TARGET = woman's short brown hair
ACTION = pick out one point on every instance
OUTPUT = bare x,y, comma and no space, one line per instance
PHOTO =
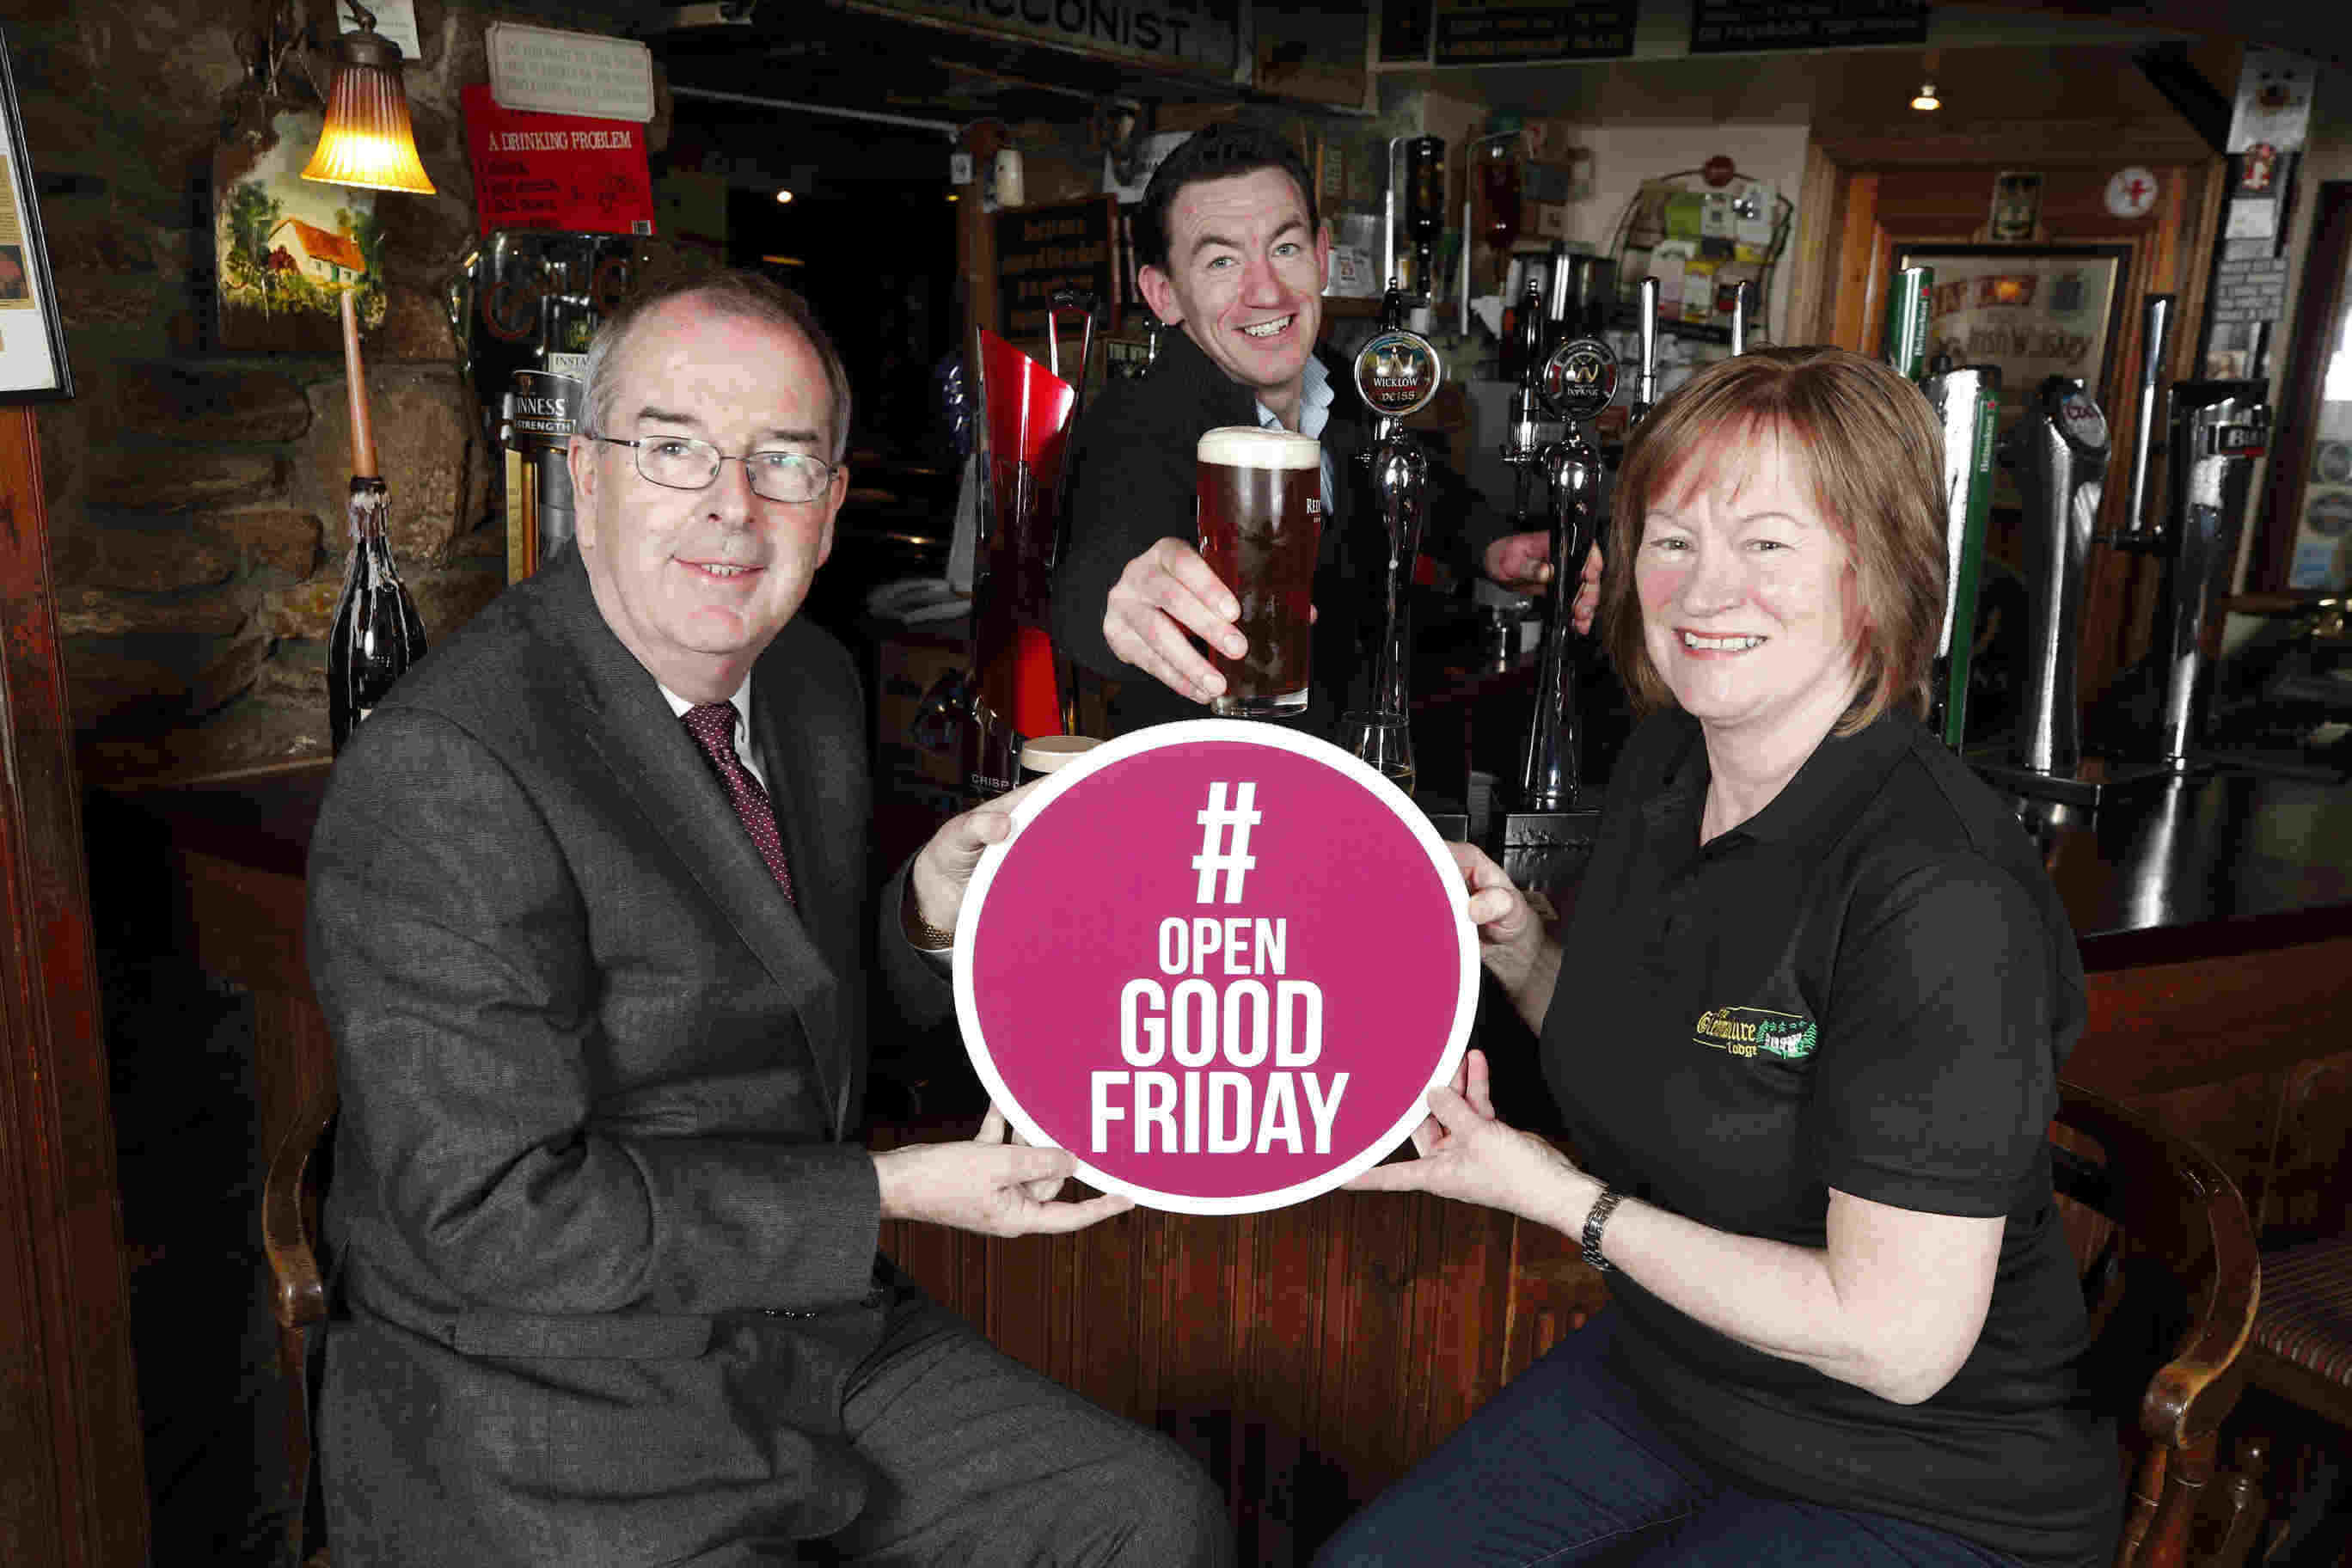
1873,450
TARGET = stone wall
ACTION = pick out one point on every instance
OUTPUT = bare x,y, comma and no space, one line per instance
197,500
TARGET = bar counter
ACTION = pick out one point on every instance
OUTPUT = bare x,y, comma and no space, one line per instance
1309,1355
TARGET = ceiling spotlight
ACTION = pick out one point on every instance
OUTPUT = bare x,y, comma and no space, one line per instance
1927,98
783,195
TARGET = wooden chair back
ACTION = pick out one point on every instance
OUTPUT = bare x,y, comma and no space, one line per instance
290,1198
2172,1281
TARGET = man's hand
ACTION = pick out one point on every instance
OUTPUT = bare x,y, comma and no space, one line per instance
1522,562
1468,1153
986,1186
1165,592
995,1129
942,870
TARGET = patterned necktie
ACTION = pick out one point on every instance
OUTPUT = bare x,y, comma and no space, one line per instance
713,725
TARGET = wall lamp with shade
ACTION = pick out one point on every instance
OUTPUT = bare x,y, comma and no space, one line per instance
1925,98
367,141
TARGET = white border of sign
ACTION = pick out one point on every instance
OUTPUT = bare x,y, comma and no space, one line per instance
1190,731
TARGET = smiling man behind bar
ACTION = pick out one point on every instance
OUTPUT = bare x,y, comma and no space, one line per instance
589,923
1234,255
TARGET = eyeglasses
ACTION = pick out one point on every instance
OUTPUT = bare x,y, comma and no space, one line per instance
682,463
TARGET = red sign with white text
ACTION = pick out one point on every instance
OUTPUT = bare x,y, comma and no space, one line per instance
1221,963
563,172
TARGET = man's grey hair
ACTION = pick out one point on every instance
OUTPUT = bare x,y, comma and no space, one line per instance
742,295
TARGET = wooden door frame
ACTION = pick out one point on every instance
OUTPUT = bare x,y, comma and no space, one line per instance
1845,254
74,1490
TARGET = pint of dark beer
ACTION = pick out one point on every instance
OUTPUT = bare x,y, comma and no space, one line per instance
1261,515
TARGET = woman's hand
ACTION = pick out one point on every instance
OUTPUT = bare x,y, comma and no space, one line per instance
1518,951
1469,1154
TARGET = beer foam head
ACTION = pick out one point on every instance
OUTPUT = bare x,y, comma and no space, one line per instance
1250,446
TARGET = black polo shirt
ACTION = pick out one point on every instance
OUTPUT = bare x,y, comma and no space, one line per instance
1868,985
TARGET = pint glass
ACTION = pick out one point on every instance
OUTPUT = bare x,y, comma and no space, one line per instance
1261,513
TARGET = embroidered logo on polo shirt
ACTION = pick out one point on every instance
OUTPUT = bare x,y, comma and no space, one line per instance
1745,1031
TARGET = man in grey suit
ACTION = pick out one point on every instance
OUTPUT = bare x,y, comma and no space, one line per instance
588,921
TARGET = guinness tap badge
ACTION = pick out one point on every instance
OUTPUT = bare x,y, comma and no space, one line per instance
1398,372
1579,378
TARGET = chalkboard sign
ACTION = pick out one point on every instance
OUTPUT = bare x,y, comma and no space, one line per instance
1040,250
1741,26
1516,32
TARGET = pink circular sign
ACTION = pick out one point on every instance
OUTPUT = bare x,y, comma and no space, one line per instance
1220,962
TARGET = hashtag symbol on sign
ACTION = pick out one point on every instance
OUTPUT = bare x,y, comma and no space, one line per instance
1214,856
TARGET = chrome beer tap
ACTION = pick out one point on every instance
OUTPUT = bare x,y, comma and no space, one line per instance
2062,464
1645,379
1577,382
2219,428
1396,373
2216,430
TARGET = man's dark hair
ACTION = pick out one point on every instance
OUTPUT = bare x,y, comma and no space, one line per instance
1219,152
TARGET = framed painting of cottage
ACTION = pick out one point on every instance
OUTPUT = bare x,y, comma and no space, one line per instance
33,364
285,247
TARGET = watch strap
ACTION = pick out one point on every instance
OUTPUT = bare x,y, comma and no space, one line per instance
1596,1216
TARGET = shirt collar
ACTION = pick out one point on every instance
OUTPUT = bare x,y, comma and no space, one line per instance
1315,398
742,701
1829,791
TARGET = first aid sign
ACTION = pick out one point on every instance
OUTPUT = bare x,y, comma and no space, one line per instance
1221,963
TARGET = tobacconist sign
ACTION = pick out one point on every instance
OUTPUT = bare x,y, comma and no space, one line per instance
1220,962
1195,35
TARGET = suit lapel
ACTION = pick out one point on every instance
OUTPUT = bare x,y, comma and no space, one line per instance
660,769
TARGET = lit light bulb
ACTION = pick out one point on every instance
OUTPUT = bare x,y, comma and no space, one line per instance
1927,98
785,195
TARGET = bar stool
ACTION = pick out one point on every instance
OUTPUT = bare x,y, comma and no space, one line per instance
2301,1351
291,1197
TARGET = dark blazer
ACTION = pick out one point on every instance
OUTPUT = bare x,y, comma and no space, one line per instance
606,1258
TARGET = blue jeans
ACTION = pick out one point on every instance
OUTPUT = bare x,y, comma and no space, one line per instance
1562,1466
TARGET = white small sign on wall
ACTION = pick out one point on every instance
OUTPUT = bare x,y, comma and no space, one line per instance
395,20
547,71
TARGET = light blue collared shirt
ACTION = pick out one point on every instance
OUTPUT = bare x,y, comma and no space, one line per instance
1314,395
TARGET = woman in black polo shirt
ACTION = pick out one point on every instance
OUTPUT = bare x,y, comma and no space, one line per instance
1805,1028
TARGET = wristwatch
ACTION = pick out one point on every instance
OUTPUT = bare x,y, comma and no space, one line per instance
926,937
1602,1207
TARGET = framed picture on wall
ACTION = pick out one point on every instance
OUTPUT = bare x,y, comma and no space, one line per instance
33,363
2033,309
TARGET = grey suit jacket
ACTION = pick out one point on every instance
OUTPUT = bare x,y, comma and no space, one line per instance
607,1258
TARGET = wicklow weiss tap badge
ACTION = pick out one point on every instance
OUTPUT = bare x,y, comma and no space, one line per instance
1220,962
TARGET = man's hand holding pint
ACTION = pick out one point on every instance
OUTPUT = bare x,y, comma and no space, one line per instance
1165,593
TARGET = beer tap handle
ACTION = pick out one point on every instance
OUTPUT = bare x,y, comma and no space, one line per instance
1645,378
2138,529
1743,300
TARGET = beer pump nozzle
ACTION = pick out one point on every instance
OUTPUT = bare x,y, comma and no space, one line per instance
1743,301
1645,379
2138,529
